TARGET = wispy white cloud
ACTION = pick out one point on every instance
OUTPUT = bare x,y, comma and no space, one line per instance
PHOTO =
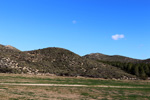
117,36
74,21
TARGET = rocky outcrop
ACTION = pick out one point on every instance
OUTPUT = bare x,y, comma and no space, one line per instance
10,66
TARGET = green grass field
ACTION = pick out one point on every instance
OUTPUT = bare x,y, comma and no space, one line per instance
139,89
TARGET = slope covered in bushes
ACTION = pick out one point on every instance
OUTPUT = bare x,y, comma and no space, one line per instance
56,61
140,68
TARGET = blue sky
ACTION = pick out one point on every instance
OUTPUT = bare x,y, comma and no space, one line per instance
113,27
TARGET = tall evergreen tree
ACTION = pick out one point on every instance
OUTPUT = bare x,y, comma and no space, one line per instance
142,73
136,70
147,70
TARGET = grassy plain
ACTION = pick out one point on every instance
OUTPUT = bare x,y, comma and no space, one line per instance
138,89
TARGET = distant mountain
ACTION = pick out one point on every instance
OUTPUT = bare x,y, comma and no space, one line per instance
146,61
140,68
57,61
102,57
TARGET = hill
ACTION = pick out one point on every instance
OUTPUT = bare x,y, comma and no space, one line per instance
13,60
57,61
146,61
102,57
140,68
60,61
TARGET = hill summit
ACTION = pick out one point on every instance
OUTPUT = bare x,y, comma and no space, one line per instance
11,47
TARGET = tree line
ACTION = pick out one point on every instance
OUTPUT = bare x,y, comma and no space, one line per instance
141,70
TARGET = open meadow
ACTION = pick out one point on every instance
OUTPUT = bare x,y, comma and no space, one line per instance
41,87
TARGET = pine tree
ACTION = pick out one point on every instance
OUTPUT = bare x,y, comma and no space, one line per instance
129,68
147,70
142,73
136,70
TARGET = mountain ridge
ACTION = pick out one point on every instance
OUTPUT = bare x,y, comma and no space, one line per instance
104,57
140,68
57,61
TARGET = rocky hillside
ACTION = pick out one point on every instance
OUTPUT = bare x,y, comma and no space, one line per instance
56,61
14,61
64,62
